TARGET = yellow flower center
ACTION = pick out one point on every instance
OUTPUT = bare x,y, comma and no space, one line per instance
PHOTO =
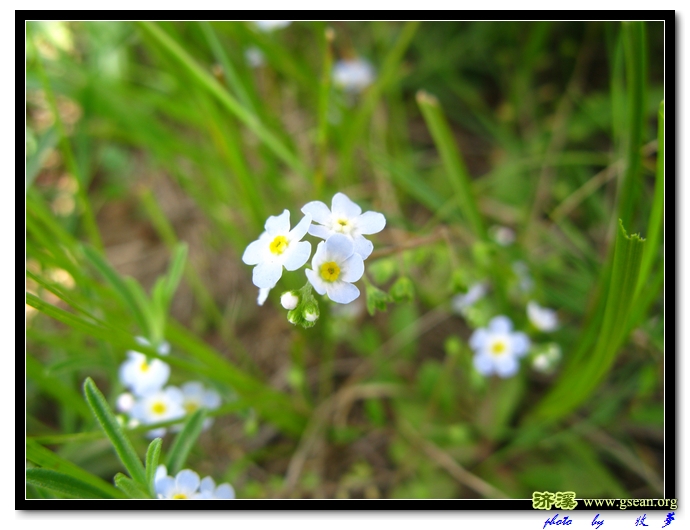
278,245
330,271
179,496
498,347
158,407
342,225
190,407
144,367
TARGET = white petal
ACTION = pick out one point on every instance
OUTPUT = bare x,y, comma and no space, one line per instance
339,248
316,282
520,343
342,292
156,433
297,255
478,339
370,223
319,212
352,268
342,206
483,364
255,252
278,224
187,481
165,486
161,473
207,484
500,324
225,491
193,389
506,365
211,399
301,228
263,295
320,231
363,246
266,274
319,256
174,395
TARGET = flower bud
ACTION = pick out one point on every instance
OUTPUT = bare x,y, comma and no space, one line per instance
402,290
289,300
311,313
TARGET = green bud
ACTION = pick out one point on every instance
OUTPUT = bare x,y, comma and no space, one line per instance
402,290
310,312
377,300
453,346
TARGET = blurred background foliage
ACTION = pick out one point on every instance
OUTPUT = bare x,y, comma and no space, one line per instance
169,132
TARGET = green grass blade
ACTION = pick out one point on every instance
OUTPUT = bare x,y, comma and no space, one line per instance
45,458
153,454
634,44
55,388
121,288
184,441
579,379
123,447
89,218
656,218
452,160
206,81
130,488
63,484
175,270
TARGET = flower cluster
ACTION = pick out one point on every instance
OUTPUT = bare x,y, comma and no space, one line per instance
497,347
187,485
149,401
337,263
353,75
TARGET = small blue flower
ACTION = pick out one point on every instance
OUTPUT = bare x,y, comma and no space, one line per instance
498,348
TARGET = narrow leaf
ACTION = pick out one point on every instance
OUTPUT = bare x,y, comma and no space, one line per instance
153,454
130,488
62,483
184,441
123,447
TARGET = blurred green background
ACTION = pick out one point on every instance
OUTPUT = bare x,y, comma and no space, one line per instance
172,132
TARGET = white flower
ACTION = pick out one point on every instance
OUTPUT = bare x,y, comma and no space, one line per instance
503,235
163,405
254,57
546,361
208,490
276,248
475,293
289,300
125,402
334,267
143,375
196,396
271,25
183,486
522,272
542,318
497,348
353,75
263,295
345,217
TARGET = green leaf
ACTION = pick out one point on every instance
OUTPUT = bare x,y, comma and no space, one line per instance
118,284
656,217
64,484
153,454
175,271
130,488
55,388
581,378
208,83
123,447
184,441
45,458
452,160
